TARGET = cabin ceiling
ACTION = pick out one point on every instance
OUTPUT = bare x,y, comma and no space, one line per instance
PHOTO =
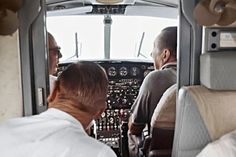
166,8
171,3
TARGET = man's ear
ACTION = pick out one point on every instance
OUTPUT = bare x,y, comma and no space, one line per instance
166,55
98,113
53,94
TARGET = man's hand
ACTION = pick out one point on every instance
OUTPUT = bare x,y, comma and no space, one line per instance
134,128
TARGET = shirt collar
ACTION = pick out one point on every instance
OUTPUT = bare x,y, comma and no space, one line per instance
58,114
169,65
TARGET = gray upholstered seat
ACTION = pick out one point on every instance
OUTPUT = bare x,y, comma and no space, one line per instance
164,113
159,143
206,112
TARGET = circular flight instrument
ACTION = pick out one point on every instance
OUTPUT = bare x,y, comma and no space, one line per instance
123,71
112,71
135,71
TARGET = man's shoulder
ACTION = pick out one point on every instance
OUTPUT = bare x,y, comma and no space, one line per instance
153,74
160,73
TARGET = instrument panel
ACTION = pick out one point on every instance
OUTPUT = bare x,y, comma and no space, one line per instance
125,79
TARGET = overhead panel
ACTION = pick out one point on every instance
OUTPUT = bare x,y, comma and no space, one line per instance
170,3
218,39
70,11
157,11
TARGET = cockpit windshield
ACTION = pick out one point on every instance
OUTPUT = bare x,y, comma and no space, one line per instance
92,37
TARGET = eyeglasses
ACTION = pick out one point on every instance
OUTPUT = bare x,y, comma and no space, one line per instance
57,50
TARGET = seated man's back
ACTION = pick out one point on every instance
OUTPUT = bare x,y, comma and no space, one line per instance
154,85
60,131
52,133
151,91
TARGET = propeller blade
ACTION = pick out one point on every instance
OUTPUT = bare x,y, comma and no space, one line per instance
228,17
203,15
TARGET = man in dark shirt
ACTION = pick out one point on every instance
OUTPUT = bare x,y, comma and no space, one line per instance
154,85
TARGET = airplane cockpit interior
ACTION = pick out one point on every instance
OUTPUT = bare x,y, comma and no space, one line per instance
100,33
119,36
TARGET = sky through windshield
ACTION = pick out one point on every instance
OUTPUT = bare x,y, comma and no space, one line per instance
126,34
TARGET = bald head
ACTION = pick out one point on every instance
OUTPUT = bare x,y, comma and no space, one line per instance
168,39
165,45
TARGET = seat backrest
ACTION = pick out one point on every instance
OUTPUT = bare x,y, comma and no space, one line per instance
206,112
162,125
164,113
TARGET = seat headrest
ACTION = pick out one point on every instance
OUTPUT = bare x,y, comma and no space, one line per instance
218,70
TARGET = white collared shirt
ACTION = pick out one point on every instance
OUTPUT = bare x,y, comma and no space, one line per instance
52,133
52,80
223,147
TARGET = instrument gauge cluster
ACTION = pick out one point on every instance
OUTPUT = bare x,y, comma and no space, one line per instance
128,71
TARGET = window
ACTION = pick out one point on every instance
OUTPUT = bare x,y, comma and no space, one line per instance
126,35
89,31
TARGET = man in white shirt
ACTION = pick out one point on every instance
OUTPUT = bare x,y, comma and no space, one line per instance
54,56
78,97
223,147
